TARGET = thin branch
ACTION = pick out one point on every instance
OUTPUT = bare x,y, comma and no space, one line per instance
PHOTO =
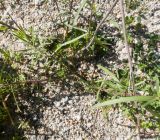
127,46
6,108
131,80
99,25
16,102
56,2
8,26
19,27
70,10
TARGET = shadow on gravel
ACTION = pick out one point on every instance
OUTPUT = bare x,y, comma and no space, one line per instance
9,119
34,105
33,101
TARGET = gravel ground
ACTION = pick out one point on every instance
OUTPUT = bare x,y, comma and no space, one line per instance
76,121
69,115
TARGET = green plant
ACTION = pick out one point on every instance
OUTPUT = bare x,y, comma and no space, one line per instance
132,4
117,91
8,76
56,58
134,93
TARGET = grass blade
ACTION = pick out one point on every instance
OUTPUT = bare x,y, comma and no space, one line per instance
109,73
77,28
3,28
82,4
124,100
149,102
140,83
70,41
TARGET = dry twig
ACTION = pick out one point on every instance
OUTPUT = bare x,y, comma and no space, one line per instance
99,25
131,80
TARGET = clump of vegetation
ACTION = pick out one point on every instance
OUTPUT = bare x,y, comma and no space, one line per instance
9,89
135,90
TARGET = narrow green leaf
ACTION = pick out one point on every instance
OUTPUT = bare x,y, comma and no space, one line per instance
149,102
82,4
6,54
153,112
124,100
3,28
77,28
140,83
22,35
100,80
99,90
70,41
115,86
108,73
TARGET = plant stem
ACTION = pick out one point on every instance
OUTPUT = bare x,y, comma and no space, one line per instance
69,18
131,80
6,108
58,11
18,108
127,46
8,26
99,25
